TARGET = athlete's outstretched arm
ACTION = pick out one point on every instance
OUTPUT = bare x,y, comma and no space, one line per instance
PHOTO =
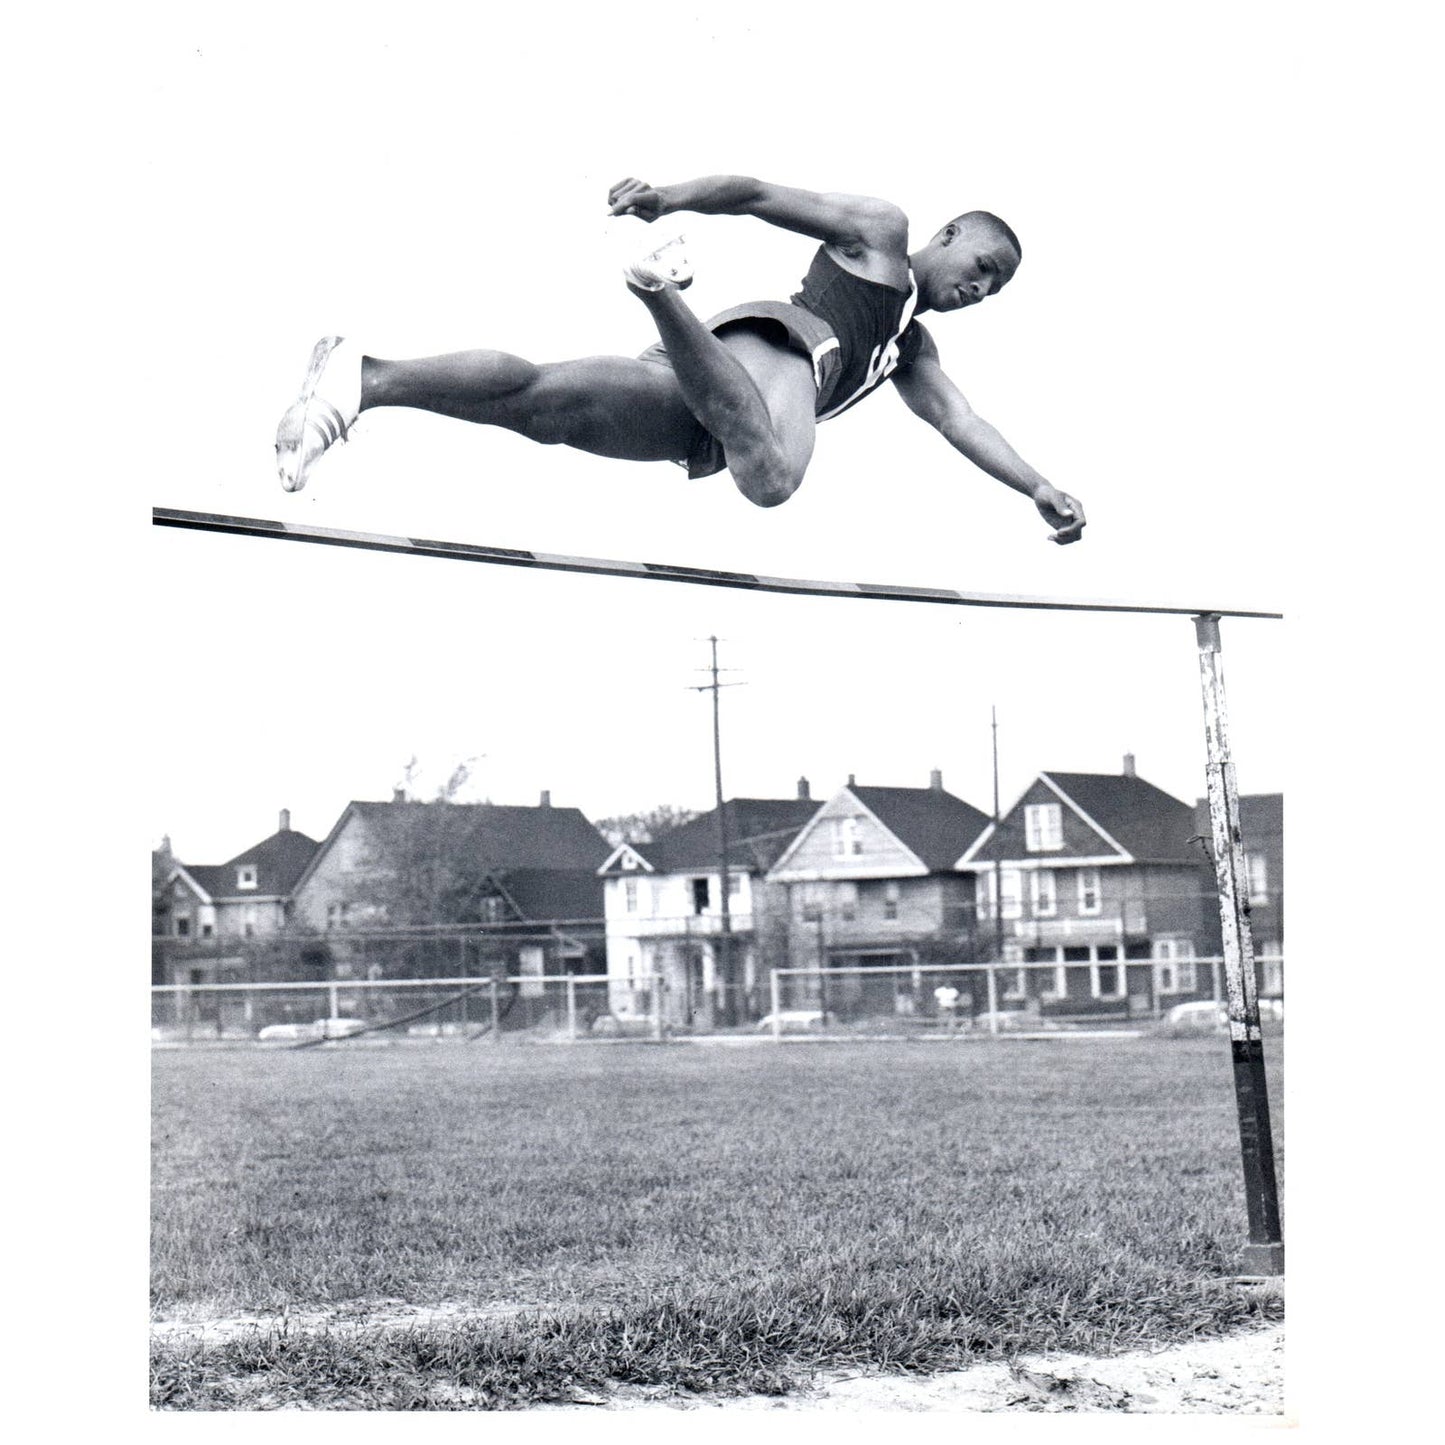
931,395
839,220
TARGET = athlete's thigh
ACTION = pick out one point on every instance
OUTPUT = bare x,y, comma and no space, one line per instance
785,379
612,406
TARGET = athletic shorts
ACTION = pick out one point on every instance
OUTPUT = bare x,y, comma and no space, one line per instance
804,333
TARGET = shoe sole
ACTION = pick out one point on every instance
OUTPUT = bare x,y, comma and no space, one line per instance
291,433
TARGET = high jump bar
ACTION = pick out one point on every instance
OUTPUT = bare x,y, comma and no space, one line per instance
656,571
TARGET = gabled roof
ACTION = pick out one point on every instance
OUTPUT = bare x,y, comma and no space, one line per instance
552,893
506,835
499,837
759,829
200,878
278,860
929,823
1148,823
1132,820
933,824
1261,815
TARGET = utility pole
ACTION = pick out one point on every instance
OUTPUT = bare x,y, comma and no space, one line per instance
725,939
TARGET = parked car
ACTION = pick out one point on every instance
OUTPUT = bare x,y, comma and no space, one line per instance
312,1032
793,1018
1202,1016
1012,1021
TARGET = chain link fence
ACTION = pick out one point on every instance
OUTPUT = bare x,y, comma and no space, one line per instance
545,1009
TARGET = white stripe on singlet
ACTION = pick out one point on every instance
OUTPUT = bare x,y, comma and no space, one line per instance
885,355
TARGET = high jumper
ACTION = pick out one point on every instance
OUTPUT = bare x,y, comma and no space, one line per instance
742,391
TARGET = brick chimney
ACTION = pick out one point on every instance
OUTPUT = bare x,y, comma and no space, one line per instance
1129,766
546,798
804,792
935,780
398,795
285,820
852,781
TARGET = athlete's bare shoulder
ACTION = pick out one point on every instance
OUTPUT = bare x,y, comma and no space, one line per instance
876,248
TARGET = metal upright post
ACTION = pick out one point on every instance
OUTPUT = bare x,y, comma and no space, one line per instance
496,1011
775,987
1264,1254
571,1009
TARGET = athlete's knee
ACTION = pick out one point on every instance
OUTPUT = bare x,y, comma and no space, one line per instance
769,481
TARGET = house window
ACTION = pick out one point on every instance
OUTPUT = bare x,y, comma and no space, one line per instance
1271,973
701,894
206,930
1043,827
338,915
629,894
1042,893
847,894
847,842
1174,965
1051,983
246,876
1107,975
1013,893
891,893
183,926
1089,896
735,884
810,902
1256,871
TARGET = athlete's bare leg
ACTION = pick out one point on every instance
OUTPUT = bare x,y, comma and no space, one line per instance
611,406
752,393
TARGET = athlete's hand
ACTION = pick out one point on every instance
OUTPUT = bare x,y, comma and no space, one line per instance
636,198
1062,512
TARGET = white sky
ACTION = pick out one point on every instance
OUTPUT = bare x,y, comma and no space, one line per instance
441,190
1222,339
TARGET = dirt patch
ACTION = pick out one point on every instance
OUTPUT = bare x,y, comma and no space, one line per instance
1238,1374
383,1314
1241,1374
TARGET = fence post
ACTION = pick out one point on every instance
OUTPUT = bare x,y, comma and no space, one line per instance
496,1012
775,988
333,1000
992,1000
571,1009
657,1006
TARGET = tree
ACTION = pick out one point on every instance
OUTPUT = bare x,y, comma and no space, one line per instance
645,827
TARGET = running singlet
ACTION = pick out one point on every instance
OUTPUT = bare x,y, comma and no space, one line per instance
873,324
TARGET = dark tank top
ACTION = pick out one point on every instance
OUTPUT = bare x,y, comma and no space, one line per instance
873,324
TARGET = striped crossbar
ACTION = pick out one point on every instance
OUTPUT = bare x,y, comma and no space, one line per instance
656,571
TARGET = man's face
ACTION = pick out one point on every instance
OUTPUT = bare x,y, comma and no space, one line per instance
970,263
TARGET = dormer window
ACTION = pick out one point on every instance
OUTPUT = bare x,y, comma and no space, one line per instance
1043,827
246,875
847,841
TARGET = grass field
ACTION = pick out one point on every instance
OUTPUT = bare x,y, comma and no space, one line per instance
689,1218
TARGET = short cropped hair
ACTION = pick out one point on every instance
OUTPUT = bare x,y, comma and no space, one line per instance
991,222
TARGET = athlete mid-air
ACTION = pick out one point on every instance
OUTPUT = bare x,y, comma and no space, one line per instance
744,390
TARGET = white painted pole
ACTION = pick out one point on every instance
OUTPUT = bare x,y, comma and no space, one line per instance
1264,1254
775,988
